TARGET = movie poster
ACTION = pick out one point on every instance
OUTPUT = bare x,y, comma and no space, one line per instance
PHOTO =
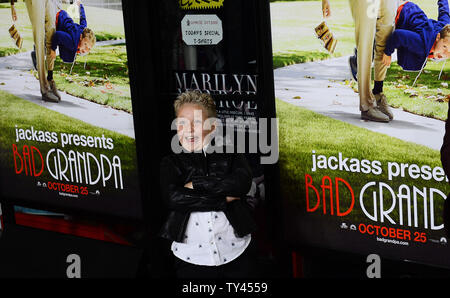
73,148
348,183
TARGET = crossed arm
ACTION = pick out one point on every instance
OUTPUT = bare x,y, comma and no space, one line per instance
203,193
233,185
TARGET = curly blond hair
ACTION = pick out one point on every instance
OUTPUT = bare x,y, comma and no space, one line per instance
195,97
89,34
445,32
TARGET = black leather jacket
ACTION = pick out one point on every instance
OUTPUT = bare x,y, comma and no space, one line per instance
214,177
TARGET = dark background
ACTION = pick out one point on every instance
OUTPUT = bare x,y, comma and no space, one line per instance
150,29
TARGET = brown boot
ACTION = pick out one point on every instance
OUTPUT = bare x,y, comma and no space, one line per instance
383,105
54,90
50,97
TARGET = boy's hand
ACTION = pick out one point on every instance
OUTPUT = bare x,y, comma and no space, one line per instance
189,185
387,60
326,10
13,13
231,199
53,54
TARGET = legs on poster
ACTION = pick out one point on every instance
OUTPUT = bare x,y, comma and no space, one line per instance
42,16
372,19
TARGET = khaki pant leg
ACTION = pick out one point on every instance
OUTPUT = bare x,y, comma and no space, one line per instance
385,26
36,13
50,29
364,15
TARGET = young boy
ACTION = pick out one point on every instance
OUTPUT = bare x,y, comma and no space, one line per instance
209,222
418,38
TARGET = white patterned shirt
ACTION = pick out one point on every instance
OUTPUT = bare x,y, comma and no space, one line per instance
209,240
